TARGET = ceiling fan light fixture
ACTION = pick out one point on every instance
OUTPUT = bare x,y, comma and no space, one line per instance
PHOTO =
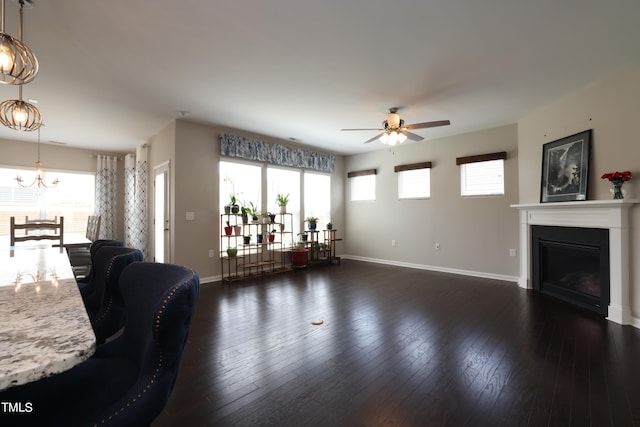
18,64
393,120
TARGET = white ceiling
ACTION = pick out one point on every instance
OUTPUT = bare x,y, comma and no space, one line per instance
114,73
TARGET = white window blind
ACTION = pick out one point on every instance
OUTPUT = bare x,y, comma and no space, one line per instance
482,178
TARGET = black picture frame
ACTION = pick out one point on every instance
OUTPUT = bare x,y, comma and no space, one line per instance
565,168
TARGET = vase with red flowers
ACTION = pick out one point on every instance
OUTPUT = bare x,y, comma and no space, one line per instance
617,179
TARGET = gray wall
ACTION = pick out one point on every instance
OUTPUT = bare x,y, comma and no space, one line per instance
475,233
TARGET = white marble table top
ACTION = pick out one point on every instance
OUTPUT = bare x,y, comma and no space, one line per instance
44,327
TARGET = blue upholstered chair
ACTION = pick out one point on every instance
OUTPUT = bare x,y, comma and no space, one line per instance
129,380
105,305
87,283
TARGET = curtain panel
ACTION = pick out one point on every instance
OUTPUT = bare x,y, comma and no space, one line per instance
276,154
106,196
135,215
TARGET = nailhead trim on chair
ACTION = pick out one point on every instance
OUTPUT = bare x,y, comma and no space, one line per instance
160,357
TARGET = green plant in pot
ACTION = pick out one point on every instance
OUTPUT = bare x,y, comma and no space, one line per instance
231,252
245,211
312,222
303,236
329,226
282,200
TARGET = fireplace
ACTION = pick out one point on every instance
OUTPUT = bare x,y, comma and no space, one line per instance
610,215
572,264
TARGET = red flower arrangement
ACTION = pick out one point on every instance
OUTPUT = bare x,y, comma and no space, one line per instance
617,176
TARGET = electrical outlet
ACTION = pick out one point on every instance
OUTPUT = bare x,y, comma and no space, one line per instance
437,246
512,252
211,253
190,216
393,242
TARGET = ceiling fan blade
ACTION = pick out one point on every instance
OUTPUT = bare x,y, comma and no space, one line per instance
412,136
374,138
427,125
361,129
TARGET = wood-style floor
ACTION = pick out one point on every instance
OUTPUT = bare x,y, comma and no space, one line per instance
400,347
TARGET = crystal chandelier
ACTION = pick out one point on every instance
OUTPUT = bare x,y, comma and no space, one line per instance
39,178
18,64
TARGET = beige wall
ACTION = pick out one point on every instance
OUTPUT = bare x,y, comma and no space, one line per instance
195,168
611,108
475,233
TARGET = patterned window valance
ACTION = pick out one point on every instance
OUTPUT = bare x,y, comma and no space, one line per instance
251,149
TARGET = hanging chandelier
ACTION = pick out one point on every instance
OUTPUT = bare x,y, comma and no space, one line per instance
39,178
18,64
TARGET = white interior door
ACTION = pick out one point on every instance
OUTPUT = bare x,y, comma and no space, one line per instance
161,222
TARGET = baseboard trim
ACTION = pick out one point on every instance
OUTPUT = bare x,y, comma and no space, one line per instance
210,279
480,274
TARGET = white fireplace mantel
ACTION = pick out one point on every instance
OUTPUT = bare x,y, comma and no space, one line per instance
608,214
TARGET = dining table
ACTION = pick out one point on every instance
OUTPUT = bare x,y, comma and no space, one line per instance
44,326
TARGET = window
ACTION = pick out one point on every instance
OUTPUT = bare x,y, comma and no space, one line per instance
243,180
73,198
482,175
414,181
317,197
285,181
363,185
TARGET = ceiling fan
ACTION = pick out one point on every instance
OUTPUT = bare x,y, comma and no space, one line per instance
395,132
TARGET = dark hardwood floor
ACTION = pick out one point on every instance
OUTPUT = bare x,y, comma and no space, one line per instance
400,347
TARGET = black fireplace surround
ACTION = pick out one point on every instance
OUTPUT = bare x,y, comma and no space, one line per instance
572,264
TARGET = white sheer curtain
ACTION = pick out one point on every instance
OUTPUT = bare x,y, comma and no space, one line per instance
135,199
106,196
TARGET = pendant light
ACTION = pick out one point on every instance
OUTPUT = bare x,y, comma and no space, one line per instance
18,64
20,115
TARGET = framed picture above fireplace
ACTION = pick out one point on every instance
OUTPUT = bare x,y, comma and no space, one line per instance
565,168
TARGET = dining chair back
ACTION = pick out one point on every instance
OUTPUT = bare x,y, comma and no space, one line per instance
39,222
46,231
93,227
80,258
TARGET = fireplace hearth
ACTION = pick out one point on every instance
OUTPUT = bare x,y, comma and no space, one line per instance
572,264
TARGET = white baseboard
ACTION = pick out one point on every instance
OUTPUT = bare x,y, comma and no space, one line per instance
480,274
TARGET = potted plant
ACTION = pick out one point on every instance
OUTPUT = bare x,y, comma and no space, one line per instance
237,229
329,226
312,222
228,229
272,235
233,205
231,252
303,236
247,239
253,211
260,238
245,214
298,255
282,201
